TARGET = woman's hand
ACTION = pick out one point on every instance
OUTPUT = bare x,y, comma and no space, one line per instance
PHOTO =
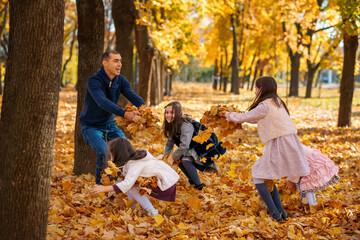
101,189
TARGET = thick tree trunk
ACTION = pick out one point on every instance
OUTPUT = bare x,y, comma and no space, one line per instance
235,83
28,117
91,46
294,81
124,15
146,49
348,80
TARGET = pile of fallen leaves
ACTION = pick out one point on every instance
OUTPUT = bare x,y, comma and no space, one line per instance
229,207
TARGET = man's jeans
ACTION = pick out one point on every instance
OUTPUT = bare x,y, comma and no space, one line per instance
97,137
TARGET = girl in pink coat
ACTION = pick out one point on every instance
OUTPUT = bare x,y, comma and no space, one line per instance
284,155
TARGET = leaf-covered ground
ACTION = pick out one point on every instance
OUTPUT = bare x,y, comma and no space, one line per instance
229,207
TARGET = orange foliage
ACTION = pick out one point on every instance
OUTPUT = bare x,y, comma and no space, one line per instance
229,207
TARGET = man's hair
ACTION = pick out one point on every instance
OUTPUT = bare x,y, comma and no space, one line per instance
106,55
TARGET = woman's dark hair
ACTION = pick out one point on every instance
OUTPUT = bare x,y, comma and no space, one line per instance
122,151
174,128
267,89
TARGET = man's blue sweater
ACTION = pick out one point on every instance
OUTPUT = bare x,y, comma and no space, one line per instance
101,97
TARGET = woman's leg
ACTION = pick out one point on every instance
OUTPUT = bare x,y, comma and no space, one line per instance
266,196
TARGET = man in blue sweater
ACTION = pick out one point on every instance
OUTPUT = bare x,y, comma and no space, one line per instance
101,96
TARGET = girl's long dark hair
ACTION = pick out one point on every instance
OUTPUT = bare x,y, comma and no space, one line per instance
174,128
122,151
267,89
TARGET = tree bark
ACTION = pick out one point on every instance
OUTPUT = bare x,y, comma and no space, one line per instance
124,15
295,60
294,80
235,61
28,116
348,80
91,46
310,79
156,79
255,74
215,74
146,50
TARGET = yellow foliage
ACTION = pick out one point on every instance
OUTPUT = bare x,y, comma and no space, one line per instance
229,207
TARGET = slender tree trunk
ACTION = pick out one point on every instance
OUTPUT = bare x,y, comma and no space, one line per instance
310,79
1,91
146,50
255,74
221,72
28,116
250,69
348,80
215,74
235,61
124,15
294,80
156,90
70,55
91,46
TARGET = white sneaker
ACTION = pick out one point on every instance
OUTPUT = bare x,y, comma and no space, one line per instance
153,212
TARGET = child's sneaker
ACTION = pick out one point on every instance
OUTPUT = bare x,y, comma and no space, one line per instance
153,213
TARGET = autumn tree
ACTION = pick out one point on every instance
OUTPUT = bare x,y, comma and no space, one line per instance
28,116
124,15
349,11
91,46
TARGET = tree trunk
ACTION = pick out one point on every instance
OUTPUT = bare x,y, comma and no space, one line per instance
294,81
168,77
235,61
215,75
146,49
70,55
310,79
255,74
1,91
124,15
156,79
91,46
221,72
28,116
348,80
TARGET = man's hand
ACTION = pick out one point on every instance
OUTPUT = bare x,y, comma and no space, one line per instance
131,115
